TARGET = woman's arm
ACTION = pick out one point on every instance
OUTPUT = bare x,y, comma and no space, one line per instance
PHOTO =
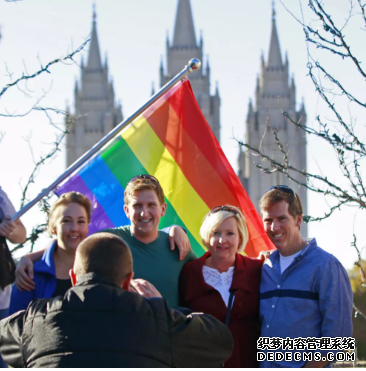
13,231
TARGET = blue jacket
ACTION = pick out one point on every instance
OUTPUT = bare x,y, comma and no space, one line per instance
44,278
312,298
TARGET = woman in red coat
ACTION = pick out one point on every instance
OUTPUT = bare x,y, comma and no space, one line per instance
225,284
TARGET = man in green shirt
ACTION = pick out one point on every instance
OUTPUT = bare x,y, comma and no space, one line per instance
153,260
154,257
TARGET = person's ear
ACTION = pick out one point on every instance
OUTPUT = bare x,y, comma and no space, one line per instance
126,283
163,208
126,210
299,220
73,277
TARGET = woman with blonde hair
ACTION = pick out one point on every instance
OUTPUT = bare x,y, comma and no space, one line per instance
225,283
68,221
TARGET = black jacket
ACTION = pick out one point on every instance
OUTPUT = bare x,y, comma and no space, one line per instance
98,324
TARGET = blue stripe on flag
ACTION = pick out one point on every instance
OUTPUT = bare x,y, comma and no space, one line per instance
107,189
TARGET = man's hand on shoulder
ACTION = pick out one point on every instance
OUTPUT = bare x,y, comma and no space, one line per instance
144,288
23,280
177,236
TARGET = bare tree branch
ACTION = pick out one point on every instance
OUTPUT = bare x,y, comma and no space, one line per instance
56,145
341,135
44,69
359,262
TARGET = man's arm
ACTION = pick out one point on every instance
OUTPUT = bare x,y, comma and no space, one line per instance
11,331
335,301
199,340
335,304
24,271
178,236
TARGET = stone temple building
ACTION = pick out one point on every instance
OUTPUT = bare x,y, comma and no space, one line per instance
183,48
96,112
274,91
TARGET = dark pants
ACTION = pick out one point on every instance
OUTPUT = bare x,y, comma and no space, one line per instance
3,314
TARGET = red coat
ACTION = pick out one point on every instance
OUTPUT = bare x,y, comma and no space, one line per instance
244,324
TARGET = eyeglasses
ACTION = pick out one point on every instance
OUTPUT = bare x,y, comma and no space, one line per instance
143,176
230,209
283,188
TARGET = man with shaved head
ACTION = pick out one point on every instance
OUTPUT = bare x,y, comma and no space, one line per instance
99,323
104,254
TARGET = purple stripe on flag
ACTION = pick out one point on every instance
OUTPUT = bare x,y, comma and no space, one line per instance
99,219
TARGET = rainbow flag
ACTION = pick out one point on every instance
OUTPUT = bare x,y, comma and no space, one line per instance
172,141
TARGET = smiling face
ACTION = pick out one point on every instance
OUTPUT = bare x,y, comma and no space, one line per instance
282,228
224,242
71,226
144,210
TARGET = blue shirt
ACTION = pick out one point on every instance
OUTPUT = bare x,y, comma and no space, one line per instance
311,298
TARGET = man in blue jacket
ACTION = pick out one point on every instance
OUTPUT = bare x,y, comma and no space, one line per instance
306,296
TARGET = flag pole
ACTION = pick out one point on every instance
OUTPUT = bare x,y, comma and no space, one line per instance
193,65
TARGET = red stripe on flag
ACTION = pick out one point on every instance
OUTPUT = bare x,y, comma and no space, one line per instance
195,125
194,165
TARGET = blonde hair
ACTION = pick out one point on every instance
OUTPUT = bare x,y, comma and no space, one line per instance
212,221
142,184
65,199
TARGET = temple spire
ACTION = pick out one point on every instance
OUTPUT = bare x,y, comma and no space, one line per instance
217,89
208,69
94,59
184,34
274,55
161,65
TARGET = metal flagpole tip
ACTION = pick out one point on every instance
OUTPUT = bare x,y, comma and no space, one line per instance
194,64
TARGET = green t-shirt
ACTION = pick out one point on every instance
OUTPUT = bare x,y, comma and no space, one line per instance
155,262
